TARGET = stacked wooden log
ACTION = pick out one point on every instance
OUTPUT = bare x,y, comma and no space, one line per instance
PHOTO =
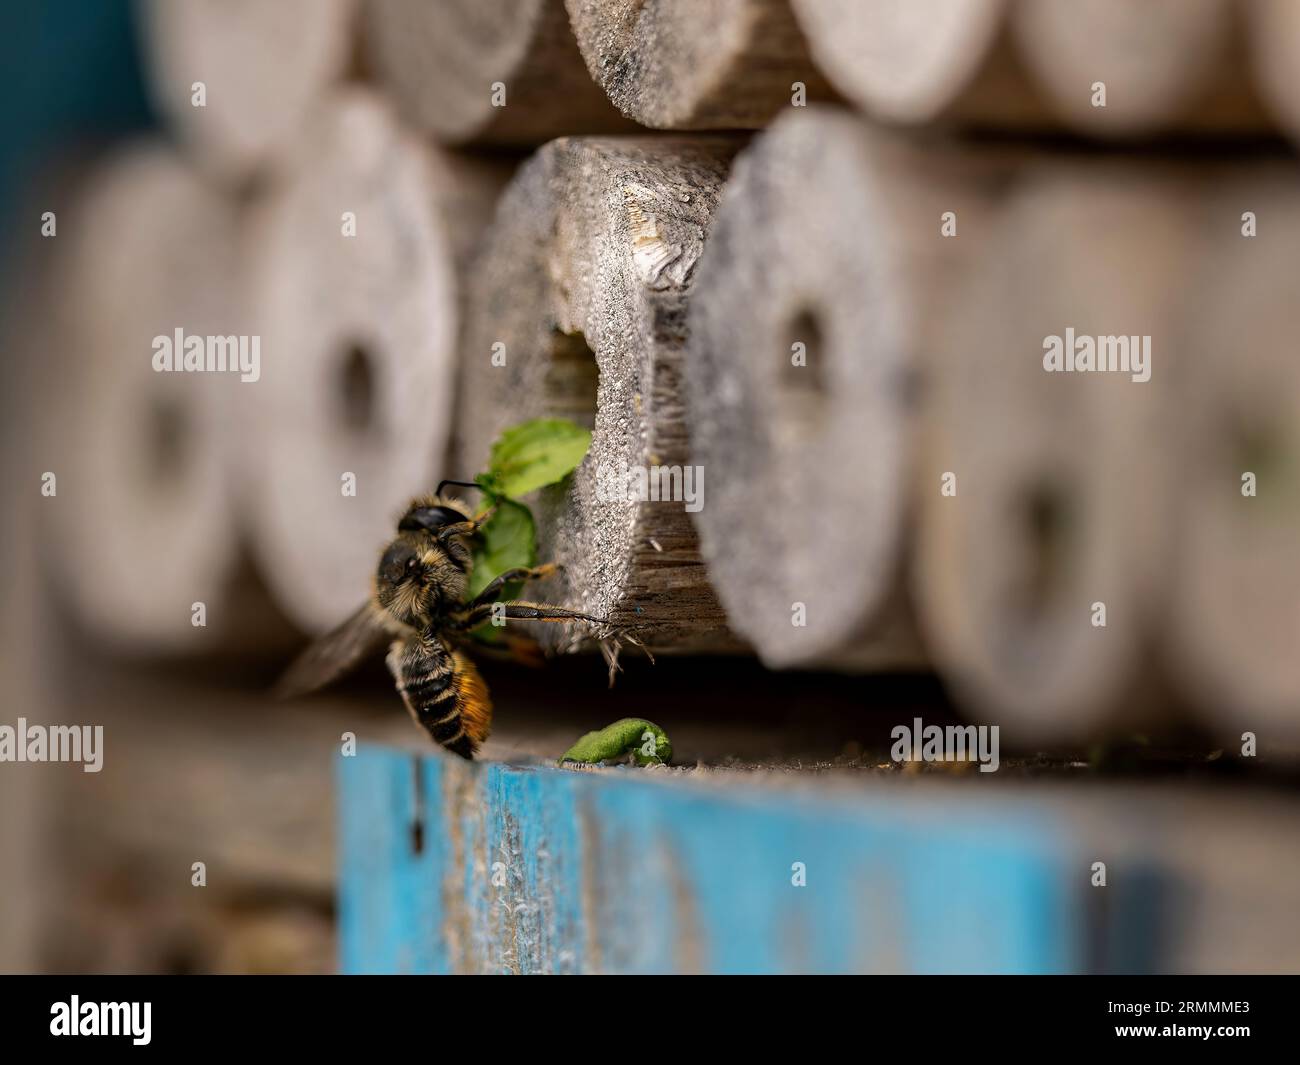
845,337
578,308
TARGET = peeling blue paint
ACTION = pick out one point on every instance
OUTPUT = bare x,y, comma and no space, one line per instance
390,911
532,869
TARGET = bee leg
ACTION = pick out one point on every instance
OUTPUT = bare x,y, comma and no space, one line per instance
465,528
523,573
458,528
477,614
523,611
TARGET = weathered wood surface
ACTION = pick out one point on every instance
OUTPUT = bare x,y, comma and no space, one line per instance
450,868
1167,65
923,63
262,66
579,309
142,525
353,286
598,274
1273,33
1234,604
719,64
819,297
1056,504
535,870
443,63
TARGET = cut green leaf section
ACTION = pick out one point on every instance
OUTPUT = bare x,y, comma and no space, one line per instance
535,454
527,457
645,741
508,541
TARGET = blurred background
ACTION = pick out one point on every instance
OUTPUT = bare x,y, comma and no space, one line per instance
368,197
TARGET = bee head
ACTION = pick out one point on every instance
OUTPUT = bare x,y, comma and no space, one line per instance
421,570
431,513
430,518
399,564
402,580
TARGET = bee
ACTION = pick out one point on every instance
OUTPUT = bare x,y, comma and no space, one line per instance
418,607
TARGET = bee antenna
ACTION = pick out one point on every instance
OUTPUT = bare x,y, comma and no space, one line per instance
459,484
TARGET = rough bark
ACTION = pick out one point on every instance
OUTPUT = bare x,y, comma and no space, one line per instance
359,342
828,248
1235,601
715,64
441,60
263,66
1060,477
143,522
917,63
1273,32
586,279
1168,65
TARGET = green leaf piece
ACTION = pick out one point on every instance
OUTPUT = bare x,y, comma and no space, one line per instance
507,541
524,458
646,741
534,454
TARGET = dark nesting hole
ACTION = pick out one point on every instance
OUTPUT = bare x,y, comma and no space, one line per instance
801,373
168,440
1046,521
572,378
357,389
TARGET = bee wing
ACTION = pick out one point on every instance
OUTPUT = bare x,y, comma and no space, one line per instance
335,653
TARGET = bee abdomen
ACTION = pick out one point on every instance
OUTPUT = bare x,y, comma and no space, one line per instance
427,687
444,694
464,746
432,697
445,729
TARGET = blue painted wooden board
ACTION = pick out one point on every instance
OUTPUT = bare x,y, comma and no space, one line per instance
533,869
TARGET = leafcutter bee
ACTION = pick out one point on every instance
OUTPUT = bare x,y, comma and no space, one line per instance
418,607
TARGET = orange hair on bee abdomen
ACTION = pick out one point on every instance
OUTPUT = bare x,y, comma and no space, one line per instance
472,699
